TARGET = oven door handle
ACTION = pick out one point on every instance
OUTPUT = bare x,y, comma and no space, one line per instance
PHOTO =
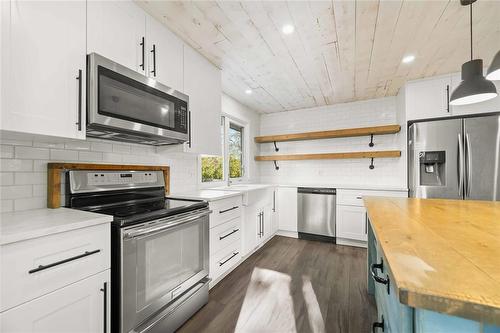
162,227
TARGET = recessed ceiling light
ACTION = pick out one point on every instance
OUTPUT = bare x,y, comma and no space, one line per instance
288,29
407,59
248,91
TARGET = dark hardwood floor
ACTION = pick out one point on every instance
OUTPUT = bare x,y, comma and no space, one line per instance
291,285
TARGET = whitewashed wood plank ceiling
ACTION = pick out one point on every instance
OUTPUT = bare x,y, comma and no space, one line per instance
340,51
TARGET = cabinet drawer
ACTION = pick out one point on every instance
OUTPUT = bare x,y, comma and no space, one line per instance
225,234
36,267
224,210
77,307
355,197
223,260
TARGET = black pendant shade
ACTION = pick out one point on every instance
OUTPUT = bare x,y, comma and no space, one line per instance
494,69
474,87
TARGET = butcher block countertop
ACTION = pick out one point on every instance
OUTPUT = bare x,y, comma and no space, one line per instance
444,254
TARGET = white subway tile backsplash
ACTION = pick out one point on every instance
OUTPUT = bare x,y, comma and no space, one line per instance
119,148
24,166
30,203
7,205
15,165
63,155
16,191
101,146
6,151
26,178
77,145
42,144
90,156
31,153
6,178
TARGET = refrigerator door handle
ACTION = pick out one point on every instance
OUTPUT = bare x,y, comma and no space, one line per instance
468,166
460,165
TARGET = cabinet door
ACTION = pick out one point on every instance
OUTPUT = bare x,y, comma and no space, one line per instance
352,222
286,204
492,105
250,229
428,98
43,52
115,30
80,307
267,218
202,83
165,64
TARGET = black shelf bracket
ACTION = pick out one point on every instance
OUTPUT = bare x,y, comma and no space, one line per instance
276,167
371,165
275,146
371,144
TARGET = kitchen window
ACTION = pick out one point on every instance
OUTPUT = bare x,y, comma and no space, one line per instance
231,164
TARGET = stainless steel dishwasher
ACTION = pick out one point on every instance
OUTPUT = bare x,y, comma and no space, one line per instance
316,213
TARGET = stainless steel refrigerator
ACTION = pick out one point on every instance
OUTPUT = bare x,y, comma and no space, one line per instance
455,158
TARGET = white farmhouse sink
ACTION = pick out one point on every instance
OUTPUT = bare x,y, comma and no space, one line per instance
252,193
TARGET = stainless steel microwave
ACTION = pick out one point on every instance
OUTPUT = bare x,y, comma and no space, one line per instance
127,106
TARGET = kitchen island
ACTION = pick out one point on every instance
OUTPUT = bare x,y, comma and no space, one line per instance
434,265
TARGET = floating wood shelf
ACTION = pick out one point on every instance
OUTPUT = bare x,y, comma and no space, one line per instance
329,156
54,176
340,133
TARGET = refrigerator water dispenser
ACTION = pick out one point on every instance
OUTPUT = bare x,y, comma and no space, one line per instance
432,168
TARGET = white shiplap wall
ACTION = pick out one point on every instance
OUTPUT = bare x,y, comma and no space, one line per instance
23,167
387,172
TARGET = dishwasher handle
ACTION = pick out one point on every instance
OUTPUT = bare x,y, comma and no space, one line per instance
317,190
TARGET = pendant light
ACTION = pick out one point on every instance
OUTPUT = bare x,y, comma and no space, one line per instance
474,88
494,70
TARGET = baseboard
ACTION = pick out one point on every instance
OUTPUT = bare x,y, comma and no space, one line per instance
351,242
285,233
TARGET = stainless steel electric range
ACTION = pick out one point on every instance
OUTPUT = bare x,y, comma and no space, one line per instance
159,264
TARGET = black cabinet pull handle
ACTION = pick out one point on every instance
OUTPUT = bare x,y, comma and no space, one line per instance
227,210
229,234
104,289
189,128
379,279
154,60
231,257
142,45
377,324
448,98
42,267
79,78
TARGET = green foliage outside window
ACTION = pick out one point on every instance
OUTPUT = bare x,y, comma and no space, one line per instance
211,168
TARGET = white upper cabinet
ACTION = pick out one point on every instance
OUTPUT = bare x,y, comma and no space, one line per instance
428,98
492,105
202,83
165,55
43,67
117,30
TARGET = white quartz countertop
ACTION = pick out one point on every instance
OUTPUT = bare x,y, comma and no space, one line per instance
207,195
244,187
23,225
349,187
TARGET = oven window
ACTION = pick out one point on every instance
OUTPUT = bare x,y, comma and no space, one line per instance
167,259
124,98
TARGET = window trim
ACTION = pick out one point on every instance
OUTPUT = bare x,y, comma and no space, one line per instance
244,145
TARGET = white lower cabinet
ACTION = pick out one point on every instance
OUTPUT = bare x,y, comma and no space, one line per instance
286,206
57,283
354,222
351,223
83,306
225,237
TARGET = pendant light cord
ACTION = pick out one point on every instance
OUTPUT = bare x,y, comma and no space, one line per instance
471,31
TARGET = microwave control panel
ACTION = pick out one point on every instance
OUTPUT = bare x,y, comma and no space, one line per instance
181,118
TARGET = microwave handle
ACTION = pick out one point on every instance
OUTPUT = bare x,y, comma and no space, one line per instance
189,128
